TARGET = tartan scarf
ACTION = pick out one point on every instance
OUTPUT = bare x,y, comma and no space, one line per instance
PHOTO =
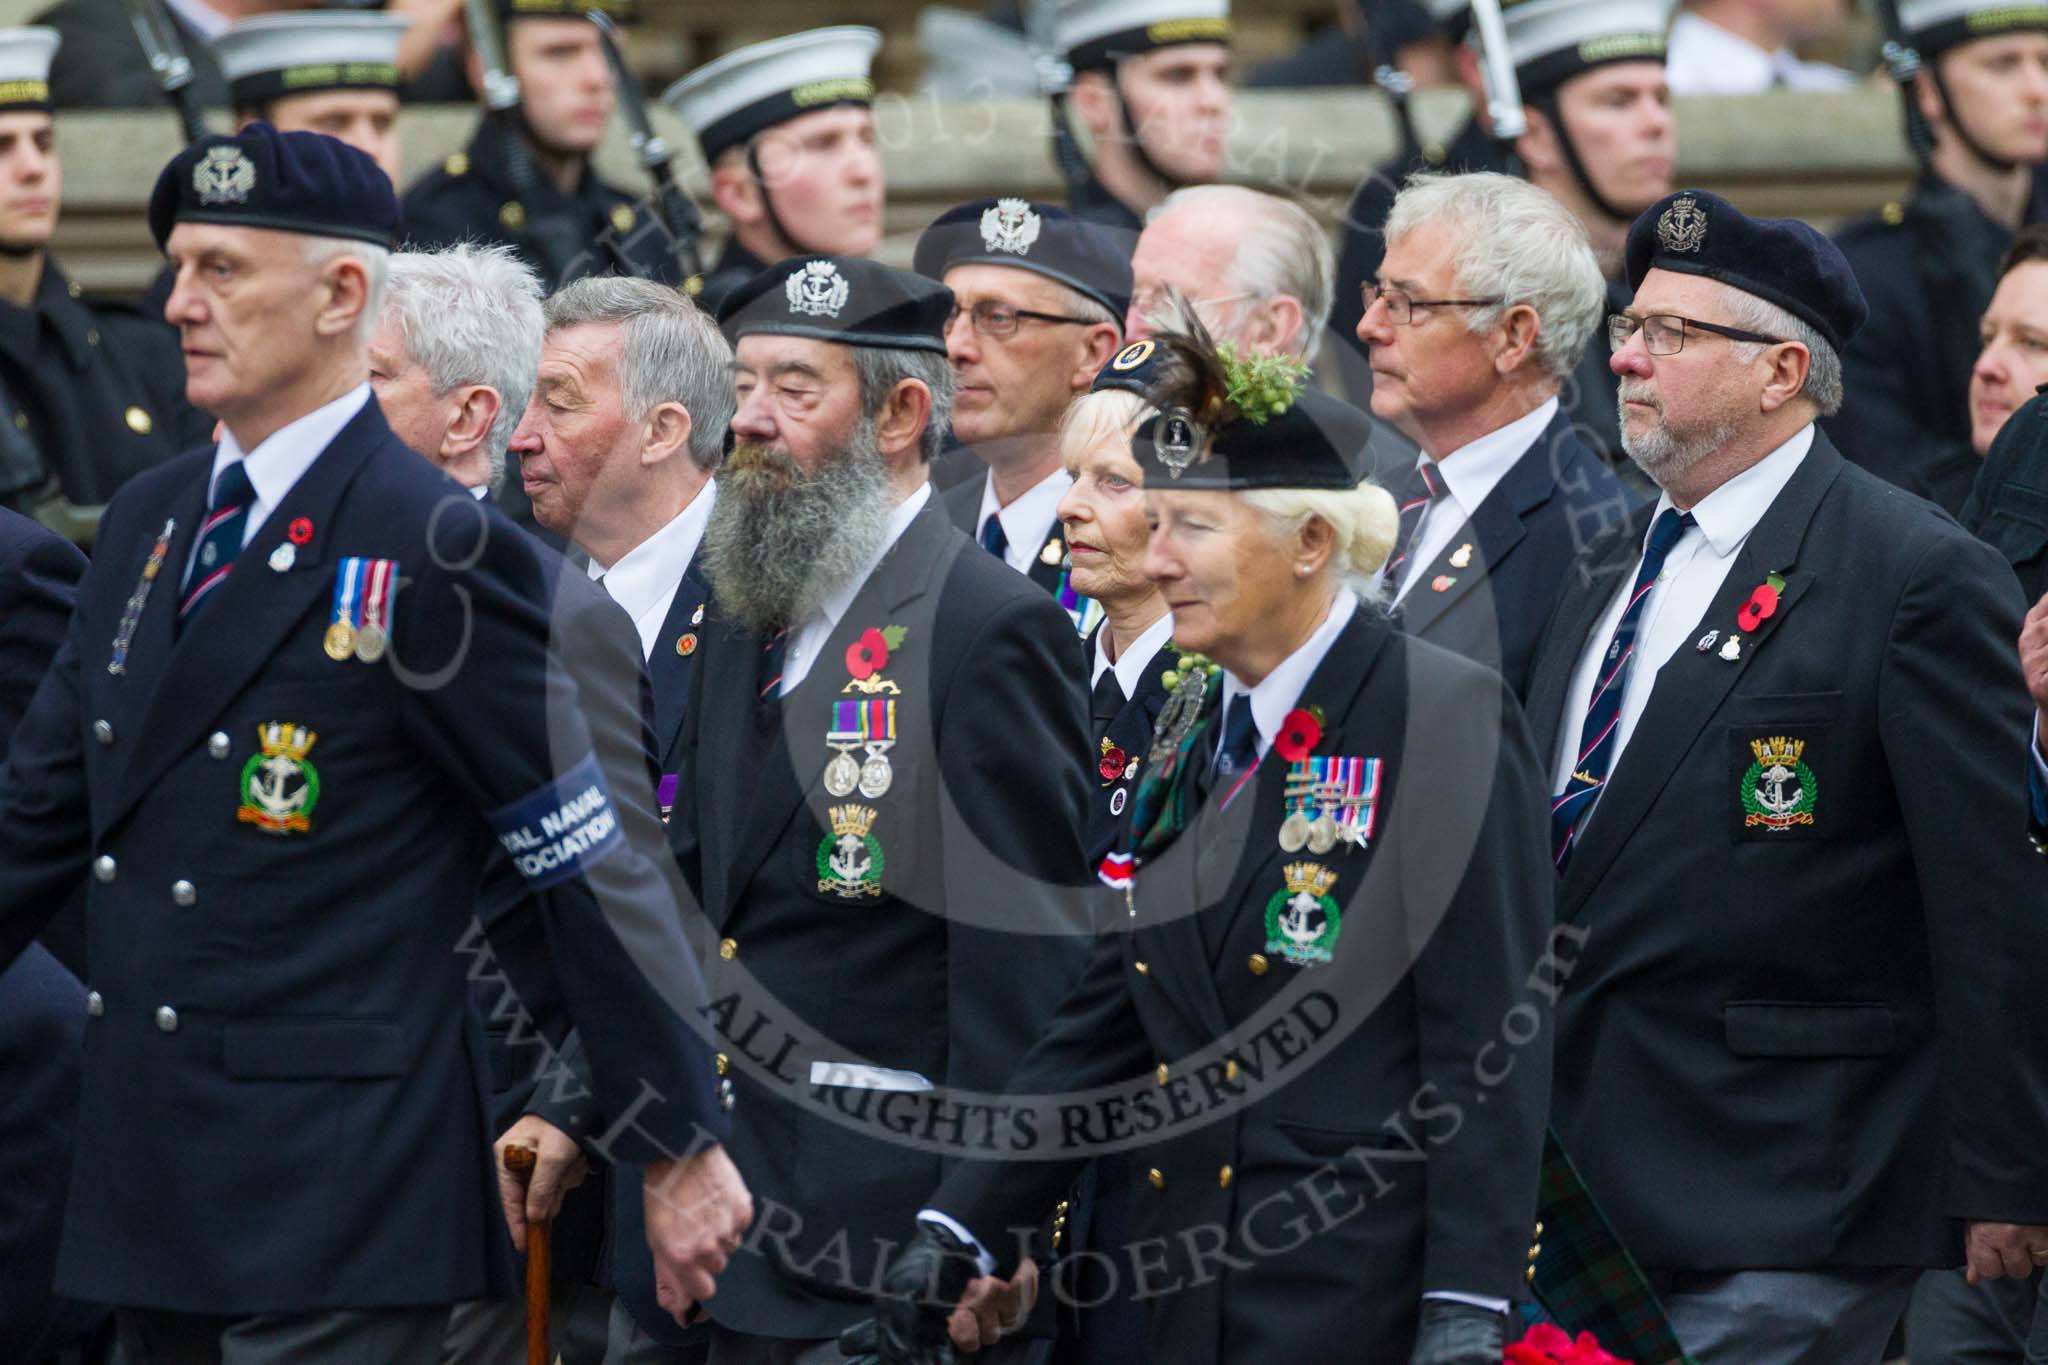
1166,795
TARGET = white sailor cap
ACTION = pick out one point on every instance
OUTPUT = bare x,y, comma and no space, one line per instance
728,101
1092,34
1936,25
25,55
275,55
1550,41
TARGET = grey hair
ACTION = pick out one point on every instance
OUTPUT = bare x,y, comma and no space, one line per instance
470,314
671,352
881,369
376,263
1363,518
1079,305
1519,245
1824,365
1283,250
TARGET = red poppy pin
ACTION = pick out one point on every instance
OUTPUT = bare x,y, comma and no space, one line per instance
1762,604
1299,733
300,531
869,654
1112,765
1548,1345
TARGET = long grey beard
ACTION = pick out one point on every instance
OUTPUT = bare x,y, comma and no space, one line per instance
779,540
1658,452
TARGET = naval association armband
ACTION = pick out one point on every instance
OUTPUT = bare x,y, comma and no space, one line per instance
562,829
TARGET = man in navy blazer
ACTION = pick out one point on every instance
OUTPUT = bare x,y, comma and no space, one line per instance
305,716
39,573
1486,300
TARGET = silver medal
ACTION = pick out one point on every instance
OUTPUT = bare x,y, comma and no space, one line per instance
1322,835
875,776
842,774
1294,832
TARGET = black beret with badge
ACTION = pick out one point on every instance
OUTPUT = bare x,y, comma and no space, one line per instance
1934,26
843,299
1780,260
1094,35
1041,238
1230,422
274,55
288,182
751,89
25,56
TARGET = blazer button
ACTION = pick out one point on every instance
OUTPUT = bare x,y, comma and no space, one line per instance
1536,1251
1157,1177
1531,1275
1230,1069
218,744
728,948
103,731
1257,962
1143,969
183,892
1539,1228
166,1019
95,1006
1162,1073
724,1063
103,868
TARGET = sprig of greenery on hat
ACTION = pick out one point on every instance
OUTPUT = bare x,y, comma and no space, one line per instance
1260,387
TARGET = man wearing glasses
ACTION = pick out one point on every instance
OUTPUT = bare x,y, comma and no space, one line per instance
1488,297
1039,302
1790,1059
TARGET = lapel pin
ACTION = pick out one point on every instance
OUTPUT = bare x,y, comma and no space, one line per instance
697,616
1731,649
1461,558
1707,641
1442,582
1053,553
687,645
283,557
300,531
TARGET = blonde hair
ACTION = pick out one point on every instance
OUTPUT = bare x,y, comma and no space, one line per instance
1099,417
1363,517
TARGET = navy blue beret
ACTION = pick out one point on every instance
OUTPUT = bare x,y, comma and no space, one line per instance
261,178
844,299
1041,238
1319,442
1780,260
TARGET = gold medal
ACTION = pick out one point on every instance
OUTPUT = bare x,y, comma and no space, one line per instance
341,641
370,644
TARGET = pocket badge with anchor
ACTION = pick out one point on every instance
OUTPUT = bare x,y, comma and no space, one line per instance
279,786
850,856
1302,917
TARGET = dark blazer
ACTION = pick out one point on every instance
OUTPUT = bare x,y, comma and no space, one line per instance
1506,567
1770,1049
1928,274
962,502
950,971
39,573
42,1035
257,1059
596,230
1376,1087
2037,802
2008,504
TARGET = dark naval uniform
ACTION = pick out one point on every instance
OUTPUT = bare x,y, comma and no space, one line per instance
736,265
1092,202
2008,505
1928,267
97,395
39,573
598,229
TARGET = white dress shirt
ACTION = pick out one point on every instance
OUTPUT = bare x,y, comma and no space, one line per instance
645,579
281,459
807,639
1470,474
1028,517
1130,665
1674,612
1702,58
1279,690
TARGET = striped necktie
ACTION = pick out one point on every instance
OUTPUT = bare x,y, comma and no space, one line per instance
220,539
1414,498
773,651
1603,714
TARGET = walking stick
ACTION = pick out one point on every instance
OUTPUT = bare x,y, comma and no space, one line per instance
520,1161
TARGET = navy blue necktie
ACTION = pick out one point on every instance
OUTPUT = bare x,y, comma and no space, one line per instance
1239,753
1413,498
1603,715
992,538
220,539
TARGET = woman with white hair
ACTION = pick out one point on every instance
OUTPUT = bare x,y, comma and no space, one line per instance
1335,886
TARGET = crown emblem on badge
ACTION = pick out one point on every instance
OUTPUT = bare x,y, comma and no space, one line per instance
1778,751
1308,879
1683,226
223,176
851,821
1009,225
283,738
818,290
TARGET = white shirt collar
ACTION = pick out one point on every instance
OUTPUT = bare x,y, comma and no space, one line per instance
207,22
481,492
1279,690
646,575
1028,517
281,459
1473,469
1130,666
1727,515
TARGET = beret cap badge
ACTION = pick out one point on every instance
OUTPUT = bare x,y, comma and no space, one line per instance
1009,225
223,176
1175,440
1683,226
817,290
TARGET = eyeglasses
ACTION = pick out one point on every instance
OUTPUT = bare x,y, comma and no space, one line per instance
1001,321
1401,305
1664,333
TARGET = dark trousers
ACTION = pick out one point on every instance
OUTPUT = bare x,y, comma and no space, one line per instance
387,1336
1953,1322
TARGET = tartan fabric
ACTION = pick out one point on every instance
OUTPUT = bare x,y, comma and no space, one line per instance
1585,1278
1166,793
